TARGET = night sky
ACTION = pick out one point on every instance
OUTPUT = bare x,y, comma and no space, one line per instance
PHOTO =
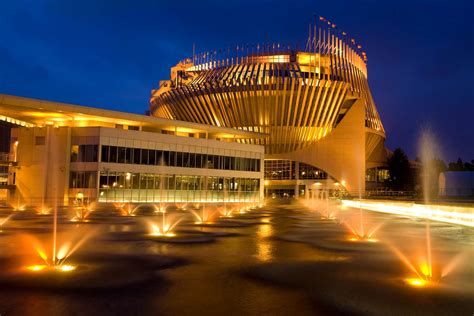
111,53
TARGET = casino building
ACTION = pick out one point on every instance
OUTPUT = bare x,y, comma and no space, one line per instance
229,125
315,105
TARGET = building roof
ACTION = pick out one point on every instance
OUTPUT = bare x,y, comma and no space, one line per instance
34,112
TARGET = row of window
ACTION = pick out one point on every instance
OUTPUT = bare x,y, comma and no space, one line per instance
126,180
175,196
279,169
377,175
153,157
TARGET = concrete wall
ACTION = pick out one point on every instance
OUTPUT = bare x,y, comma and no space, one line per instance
43,167
341,154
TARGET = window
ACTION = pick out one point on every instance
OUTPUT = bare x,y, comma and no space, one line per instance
112,154
179,159
172,161
125,155
136,156
104,155
122,155
82,179
151,157
40,140
128,155
74,153
85,153
279,169
144,160
159,160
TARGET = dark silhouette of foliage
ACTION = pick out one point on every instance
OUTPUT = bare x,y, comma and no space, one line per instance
401,174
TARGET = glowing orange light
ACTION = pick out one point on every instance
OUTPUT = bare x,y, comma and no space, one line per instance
66,268
416,282
37,267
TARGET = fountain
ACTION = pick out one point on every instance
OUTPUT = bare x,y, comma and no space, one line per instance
82,213
423,268
60,252
203,217
159,209
43,210
360,234
163,228
226,211
181,206
4,220
322,205
18,207
128,209
424,271
359,229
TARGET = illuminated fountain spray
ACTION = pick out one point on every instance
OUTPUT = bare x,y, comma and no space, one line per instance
423,267
161,208
82,213
61,252
163,228
325,208
358,226
3,221
359,229
18,206
181,206
43,210
129,209
428,151
226,210
205,216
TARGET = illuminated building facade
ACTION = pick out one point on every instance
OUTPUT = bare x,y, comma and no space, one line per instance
62,154
314,105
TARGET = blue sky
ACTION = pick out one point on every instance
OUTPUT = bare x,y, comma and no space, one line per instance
111,54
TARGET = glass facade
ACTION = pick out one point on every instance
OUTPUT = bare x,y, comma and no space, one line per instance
279,169
83,180
140,156
147,187
379,175
310,172
84,153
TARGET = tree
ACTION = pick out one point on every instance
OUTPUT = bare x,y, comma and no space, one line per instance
401,174
469,166
456,166
439,166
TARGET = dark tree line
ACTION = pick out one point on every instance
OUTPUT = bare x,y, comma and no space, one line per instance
401,174
405,176
461,166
